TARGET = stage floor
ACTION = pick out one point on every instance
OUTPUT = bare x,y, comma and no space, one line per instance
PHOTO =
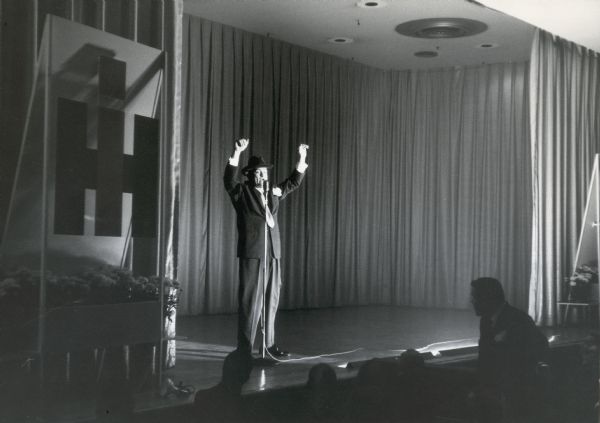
336,336
351,333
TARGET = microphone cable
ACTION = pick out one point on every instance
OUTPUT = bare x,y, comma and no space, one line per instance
314,357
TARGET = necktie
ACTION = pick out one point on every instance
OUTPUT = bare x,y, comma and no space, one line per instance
268,215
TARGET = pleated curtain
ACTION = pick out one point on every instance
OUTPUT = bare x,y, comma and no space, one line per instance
417,183
461,207
565,136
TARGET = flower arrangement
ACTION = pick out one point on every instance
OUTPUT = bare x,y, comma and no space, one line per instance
579,283
19,290
584,274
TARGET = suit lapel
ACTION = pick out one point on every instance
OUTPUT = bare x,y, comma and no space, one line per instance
257,202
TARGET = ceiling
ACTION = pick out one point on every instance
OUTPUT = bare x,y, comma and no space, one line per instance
311,23
574,20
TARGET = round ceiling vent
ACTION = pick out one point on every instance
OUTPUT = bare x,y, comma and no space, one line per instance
487,45
426,54
437,28
341,40
371,4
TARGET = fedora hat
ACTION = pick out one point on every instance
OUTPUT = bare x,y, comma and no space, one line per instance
254,163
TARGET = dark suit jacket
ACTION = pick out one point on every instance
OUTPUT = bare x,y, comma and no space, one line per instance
250,212
510,350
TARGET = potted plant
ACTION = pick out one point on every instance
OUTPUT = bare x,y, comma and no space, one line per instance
81,308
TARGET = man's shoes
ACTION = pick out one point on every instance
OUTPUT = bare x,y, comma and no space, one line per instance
275,352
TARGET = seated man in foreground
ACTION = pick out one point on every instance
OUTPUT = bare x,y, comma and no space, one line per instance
510,348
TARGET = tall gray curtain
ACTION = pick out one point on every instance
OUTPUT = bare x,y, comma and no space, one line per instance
417,181
156,23
565,135
462,205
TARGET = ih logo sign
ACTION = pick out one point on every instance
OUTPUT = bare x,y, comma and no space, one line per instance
106,169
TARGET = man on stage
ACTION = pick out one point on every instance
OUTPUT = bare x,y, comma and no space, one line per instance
256,204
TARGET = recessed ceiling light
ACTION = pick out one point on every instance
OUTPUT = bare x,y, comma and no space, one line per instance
341,40
371,4
426,54
487,45
436,28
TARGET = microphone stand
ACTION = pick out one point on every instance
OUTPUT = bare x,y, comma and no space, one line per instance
265,275
263,360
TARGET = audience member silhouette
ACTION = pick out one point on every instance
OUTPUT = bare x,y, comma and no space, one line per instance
510,348
236,371
222,403
370,398
322,391
391,389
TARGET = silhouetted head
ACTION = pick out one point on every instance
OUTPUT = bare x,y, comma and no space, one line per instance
236,370
486,296
321,375
322,382
374,372
411,359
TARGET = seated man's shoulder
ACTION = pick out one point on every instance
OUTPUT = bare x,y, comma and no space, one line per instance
521,311
514,319
515,314
522,325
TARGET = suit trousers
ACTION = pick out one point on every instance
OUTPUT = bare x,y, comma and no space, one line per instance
250,300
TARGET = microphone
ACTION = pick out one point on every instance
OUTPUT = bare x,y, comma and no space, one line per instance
266,188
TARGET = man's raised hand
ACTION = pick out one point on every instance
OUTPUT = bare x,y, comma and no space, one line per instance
241,144
302,150
301,165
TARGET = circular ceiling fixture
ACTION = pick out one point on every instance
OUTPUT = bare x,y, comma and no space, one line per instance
426,54
371,4
341,40
436,28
